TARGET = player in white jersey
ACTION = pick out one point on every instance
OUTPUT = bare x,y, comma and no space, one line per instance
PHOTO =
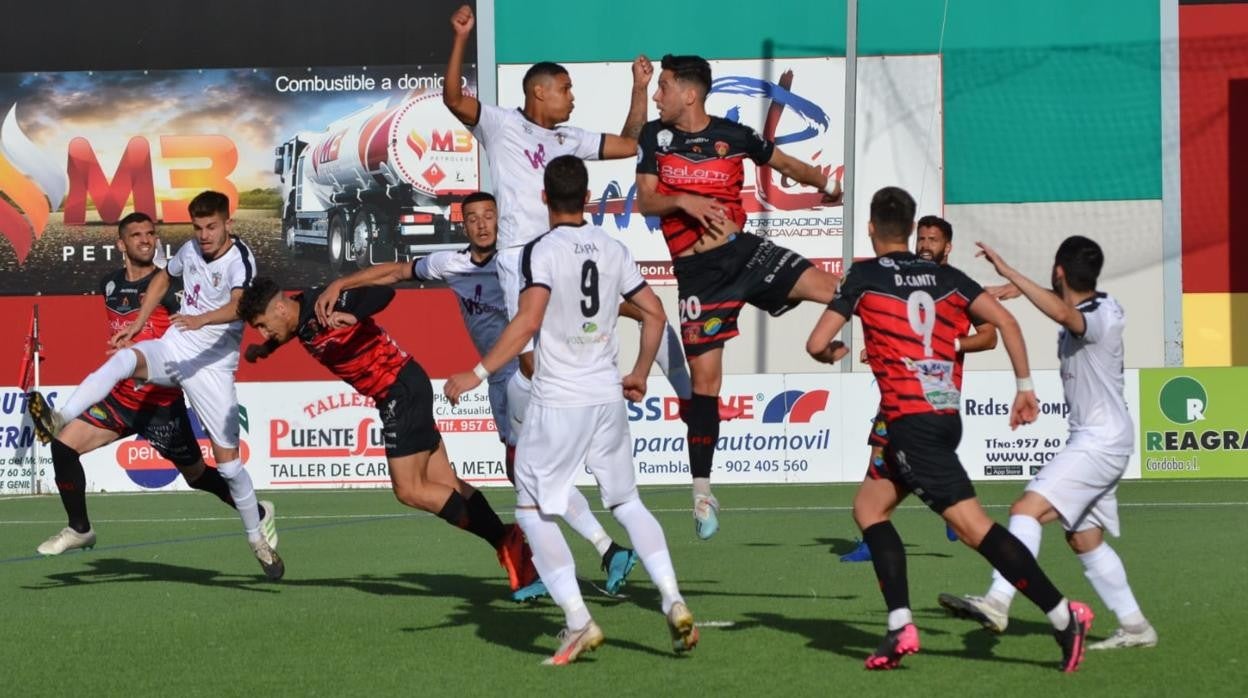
198,353
574,277
519,143
471,275
1079,486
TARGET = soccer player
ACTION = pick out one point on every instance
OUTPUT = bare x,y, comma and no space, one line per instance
353,347
199,353
472,275
519,143
933,242
1079,487
912,310
574,276
690,169
155,412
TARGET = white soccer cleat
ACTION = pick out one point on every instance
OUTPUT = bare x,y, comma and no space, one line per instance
705,515
980,609
1124,638
268,523
573,643
272,564
67,539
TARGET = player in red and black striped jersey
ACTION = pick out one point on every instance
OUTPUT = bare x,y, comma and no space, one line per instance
351,344
912,311
690,170
155,412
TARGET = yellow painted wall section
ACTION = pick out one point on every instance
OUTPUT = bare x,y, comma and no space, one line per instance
1215,329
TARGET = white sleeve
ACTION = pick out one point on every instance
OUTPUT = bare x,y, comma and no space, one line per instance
432,267
491,121
630,273
176,263
1099,322
242,269
589,144
537,265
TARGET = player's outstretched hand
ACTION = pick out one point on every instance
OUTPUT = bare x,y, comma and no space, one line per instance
862,356
643,70
187,322
634,387
459,384
1025,410
709,212
339,320
325,303
125,336
836,197
1003,292
834,352
993,258
462,21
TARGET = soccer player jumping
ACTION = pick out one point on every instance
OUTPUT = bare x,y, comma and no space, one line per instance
912,310
1079,487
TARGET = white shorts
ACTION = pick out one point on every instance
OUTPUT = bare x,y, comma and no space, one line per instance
1082,485
557,441
206,378
507,260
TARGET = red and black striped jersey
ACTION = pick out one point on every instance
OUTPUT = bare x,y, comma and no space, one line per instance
912,310
122,300
364,355
710,163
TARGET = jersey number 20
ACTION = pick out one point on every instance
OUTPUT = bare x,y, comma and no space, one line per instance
589,288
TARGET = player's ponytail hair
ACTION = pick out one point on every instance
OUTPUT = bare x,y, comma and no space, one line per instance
256,298
1082,259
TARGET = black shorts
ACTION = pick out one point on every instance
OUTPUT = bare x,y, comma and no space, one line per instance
407,424
166,427
923,453
878,468
714,285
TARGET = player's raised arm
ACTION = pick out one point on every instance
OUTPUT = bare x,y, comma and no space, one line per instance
465,107
1025,408
823,345
386,274
156,289
984,339
810,175
1045,300
625,144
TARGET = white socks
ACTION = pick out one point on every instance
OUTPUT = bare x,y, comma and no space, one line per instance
1060,615
554,563
647,537
583,521
702,486
1029,531
899,618
244,495
99,384
671,360
1105,571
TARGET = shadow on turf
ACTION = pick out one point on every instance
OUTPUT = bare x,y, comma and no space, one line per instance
850,640
111,570
840,546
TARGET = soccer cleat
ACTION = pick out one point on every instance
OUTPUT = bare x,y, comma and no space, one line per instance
65,540
705,515
680,625
47,421
515,557
617,562
859,554
268,523
727,413
951,534
532,592
896,644
1123,638
269,560
1074,636
980,609
574,642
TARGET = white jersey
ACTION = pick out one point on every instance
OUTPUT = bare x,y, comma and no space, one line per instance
587,272
1092,378
518,151
480,295
207,286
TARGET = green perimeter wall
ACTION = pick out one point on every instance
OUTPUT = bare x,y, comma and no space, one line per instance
1054,101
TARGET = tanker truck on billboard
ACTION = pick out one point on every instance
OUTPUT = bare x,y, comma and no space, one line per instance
379,185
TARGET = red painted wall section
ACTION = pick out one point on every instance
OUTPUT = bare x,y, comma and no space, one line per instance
425,322
1213,64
